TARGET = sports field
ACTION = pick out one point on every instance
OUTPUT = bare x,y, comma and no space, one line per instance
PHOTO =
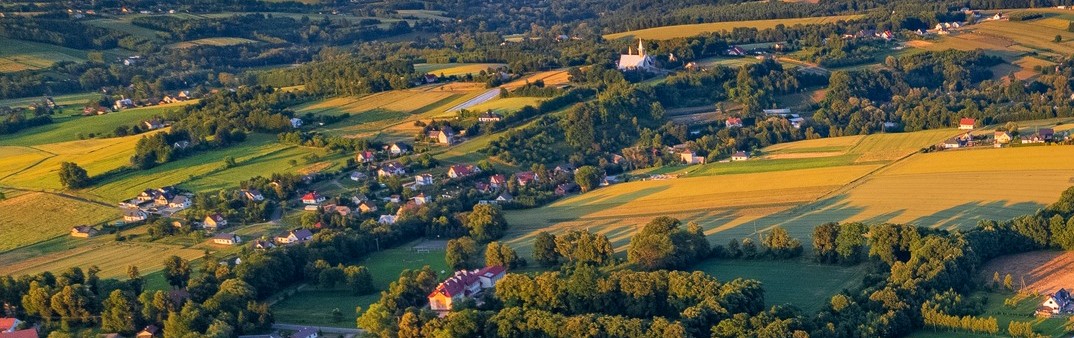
681,31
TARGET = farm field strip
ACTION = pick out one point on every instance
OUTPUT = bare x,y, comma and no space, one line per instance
112,257
35,216
451,69
679,31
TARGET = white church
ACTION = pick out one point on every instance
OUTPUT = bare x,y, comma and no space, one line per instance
641,61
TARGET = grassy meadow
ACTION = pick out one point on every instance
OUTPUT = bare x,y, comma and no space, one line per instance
681,31
17,55
450,69
810,289
68,128
34,217
112,257
994,307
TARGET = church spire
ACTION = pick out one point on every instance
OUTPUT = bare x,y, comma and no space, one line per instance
641,47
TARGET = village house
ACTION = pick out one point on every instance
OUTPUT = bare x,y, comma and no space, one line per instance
312,198
180,224
253,195
497,181
462,170
386,219
423,179
443,136
153,124
566,188
25,333
504,198
148,332
366,207
226,239
306,332
966,123
179,202
740,156
1002,137
294,236
391,169
83,231
214,222
1056,303
422,198
123,103
462,285
183,144
365,156
641,61
735,51
358,176
689,157
563,169
489,116
262,245
525,178
399,149
296,122
733,122
8,325
134,215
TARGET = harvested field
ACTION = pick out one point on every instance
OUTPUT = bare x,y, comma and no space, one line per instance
1043,271
19,228
680,31
112,257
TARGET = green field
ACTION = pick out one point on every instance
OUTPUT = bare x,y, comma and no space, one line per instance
449,69
74,100
994,307
682,31
34,217
16,55
506,106
103,251
314,306
68,128
219,42
810,289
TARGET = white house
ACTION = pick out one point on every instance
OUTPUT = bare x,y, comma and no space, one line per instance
226,239
740,156
296,122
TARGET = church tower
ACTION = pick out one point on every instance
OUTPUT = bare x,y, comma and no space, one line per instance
641,48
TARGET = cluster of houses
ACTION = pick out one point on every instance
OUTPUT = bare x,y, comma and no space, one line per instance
127,103
1000,138
464,284
870,34
163,201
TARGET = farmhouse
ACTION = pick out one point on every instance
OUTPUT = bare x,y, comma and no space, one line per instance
443,136
740,156
489,116
358,176
153,124
423,179
214,222
1056,303
134,215
735,51
312,198
148,331
296,122
399,148
253,195
525,177
179,202
294,236
462,170
566,188
689,157
497,181
642,62
952,143
226,239
464,284
733,122
422,198
1002,137
504,198
262,245
966,123
366,207
391,169
83,231
365,156
8,325
386,219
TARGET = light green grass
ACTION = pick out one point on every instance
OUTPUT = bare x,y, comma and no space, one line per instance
74,100
68,128
1022,312
218,41
314,306
125,26
34,217
797,282
16,55
449,69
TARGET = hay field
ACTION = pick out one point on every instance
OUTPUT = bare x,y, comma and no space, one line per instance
219,42
450,69
33,217
550,78
1043,271
112,257
681,31
506,106
124,25
720,203
38,171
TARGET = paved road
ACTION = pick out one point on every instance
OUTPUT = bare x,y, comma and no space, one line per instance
325,329
484,97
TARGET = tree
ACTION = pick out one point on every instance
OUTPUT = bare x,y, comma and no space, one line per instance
119,313
778,243
544,249
1058,38
460,252
409,325
1008,282
824,242
134,280
486,223
72,176
359,279
849,242
580,246
587,177
1065,204
176,271
497,254
74,303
